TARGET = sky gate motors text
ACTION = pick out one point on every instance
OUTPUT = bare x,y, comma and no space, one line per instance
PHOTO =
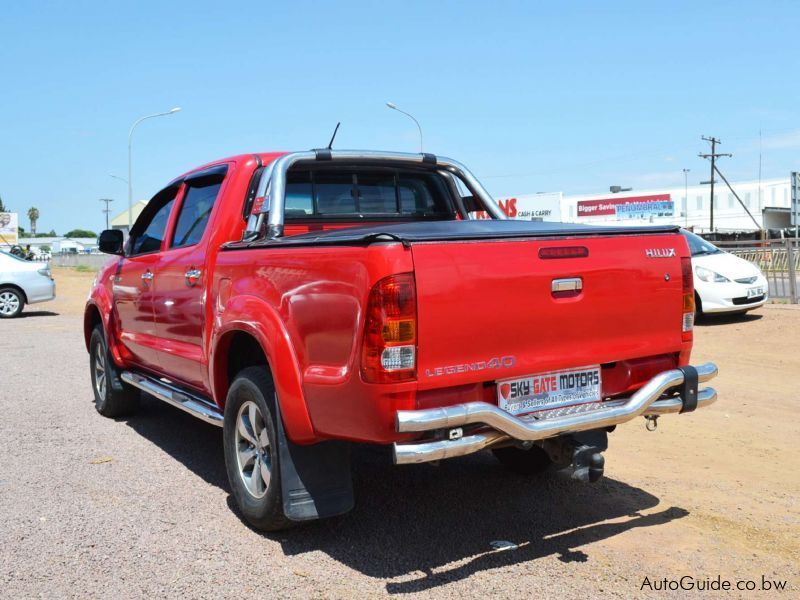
552,383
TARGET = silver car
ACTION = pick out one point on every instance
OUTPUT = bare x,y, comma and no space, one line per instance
23,282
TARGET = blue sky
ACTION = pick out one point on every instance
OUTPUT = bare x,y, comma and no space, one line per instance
546,96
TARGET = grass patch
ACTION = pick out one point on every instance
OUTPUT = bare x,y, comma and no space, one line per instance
85,269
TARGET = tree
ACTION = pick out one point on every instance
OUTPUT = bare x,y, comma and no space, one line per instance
80,233
33,216
2,206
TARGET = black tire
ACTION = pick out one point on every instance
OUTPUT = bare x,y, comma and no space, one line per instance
524,462
259,498
11,302
108,401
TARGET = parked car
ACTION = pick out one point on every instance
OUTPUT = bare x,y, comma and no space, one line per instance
23,282
724,283
308,300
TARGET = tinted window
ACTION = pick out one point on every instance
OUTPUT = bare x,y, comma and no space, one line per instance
195,211
377,193
335,193
148,231
298,194
419,196
380,192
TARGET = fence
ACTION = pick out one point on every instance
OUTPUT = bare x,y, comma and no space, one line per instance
779,260
92,261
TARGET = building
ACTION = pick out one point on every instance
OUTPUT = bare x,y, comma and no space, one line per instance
60,245
768,201
121,220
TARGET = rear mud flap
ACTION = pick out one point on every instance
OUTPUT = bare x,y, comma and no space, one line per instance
316,479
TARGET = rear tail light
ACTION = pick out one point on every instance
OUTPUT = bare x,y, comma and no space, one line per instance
688,299
389,351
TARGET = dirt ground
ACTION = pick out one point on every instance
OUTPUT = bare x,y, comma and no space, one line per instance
92,507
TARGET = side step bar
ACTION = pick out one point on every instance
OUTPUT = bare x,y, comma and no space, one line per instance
503,426
194,405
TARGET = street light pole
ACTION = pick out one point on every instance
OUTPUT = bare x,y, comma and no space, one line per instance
686,197
393,106
130,168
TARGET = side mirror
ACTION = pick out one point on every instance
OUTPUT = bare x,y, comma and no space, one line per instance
111,241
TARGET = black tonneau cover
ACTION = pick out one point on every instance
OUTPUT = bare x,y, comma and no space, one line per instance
429,231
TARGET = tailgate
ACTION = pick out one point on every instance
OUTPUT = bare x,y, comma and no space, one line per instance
487,311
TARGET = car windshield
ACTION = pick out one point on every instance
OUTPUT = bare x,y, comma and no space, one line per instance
698,246
15,257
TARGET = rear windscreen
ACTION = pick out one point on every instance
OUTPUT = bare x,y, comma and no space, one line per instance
362,193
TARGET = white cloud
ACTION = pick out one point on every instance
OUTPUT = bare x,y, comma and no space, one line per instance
782,141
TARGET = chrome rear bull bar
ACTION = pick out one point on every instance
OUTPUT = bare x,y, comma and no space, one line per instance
502,426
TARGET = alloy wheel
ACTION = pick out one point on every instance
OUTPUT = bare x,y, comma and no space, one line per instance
100,379
253,452
9,303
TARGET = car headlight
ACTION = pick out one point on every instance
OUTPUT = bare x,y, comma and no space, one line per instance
709,275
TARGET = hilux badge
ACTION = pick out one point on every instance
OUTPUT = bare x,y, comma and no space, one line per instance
659,252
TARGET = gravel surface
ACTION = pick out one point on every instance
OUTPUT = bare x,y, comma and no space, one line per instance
140,507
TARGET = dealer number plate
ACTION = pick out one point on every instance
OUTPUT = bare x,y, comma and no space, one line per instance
549,390
755,292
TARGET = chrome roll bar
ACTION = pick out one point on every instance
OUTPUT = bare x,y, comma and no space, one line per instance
272,187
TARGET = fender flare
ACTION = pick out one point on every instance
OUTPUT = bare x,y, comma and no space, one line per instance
254,316
100,301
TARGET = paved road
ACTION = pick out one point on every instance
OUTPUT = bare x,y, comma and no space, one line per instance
92,507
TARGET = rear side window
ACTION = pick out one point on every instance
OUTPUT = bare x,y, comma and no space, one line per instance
349,193
194,215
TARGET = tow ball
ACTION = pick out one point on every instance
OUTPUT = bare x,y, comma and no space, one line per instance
582,453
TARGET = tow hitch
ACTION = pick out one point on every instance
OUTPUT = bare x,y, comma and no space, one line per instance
582,453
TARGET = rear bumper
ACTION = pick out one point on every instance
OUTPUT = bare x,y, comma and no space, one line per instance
41,290
495,426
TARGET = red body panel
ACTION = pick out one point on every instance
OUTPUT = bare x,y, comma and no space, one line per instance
305,308
500,293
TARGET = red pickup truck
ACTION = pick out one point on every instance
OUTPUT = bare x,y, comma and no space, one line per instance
305,301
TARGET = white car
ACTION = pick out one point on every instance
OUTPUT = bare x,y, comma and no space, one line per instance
23,282
724,283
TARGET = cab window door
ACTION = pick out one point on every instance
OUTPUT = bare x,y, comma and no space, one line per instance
133,282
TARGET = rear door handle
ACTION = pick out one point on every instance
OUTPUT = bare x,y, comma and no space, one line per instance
192,276
147,277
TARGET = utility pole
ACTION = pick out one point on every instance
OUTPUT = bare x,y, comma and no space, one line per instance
713,156
107,210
